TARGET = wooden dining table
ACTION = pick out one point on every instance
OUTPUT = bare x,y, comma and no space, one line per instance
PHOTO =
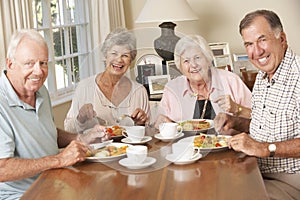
223,175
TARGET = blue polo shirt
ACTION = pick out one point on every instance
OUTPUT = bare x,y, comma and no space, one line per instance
25,132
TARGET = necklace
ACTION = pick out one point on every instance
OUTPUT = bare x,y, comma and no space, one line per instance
204,109
205,103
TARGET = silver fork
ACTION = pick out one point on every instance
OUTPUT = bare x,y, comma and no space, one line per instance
124,116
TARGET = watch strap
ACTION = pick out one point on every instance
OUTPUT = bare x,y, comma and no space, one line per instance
272,153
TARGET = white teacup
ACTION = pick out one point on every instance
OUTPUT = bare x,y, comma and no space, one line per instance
135,133
185,150
137,154
169,129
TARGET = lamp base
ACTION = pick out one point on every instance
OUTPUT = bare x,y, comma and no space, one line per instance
165,44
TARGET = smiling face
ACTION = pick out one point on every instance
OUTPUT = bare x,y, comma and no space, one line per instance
264,49
118,60
194,65
28,70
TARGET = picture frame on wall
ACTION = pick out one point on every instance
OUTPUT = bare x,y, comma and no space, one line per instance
223,62
172,70
157,83
219,48
144,71
240,57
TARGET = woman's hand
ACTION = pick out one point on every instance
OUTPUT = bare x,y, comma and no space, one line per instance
139,117
227,104
161,119
86,112
97,134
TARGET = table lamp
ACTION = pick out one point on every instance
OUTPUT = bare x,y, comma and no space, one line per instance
165,12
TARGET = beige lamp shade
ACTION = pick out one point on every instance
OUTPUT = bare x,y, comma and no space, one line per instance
166,11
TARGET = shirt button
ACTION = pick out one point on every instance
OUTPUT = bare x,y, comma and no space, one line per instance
264,106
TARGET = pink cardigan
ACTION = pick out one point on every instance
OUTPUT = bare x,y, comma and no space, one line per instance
178,103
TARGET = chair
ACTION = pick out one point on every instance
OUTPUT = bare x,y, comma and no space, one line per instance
249,77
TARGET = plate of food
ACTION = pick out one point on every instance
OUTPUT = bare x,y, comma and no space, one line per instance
111,152
208,143
115,131
196,125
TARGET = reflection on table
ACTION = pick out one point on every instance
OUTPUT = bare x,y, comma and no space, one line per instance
218,175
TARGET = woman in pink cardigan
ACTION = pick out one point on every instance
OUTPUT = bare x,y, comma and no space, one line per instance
203,90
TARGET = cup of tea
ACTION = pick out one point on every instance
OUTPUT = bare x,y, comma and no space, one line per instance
135,133
185,150
169,129
137,154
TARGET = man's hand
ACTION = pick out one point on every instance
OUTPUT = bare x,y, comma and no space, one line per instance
244,143
73,153
230,125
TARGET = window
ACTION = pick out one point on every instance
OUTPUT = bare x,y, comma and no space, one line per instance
64,24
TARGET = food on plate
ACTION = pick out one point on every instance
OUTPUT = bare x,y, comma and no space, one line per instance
195,125
107,151
115,130
210,141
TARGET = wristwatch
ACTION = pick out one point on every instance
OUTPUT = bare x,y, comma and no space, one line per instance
239,110
272,149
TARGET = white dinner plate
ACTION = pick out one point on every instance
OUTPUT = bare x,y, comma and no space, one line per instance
182,161
160,137
108,158
212,149
195,130
125,162
143,141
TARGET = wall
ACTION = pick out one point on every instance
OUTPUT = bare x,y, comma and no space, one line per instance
219,20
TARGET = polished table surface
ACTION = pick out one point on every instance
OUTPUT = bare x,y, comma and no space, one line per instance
218,175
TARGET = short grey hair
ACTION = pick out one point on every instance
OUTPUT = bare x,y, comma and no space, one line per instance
19,35
121,37
271,17
192,41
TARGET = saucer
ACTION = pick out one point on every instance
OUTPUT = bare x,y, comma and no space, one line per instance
164,139
125,162
143,141
182,161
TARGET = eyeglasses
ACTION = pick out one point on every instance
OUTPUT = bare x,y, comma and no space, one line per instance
30,64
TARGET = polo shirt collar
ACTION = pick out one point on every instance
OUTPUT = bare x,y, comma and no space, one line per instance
11,95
